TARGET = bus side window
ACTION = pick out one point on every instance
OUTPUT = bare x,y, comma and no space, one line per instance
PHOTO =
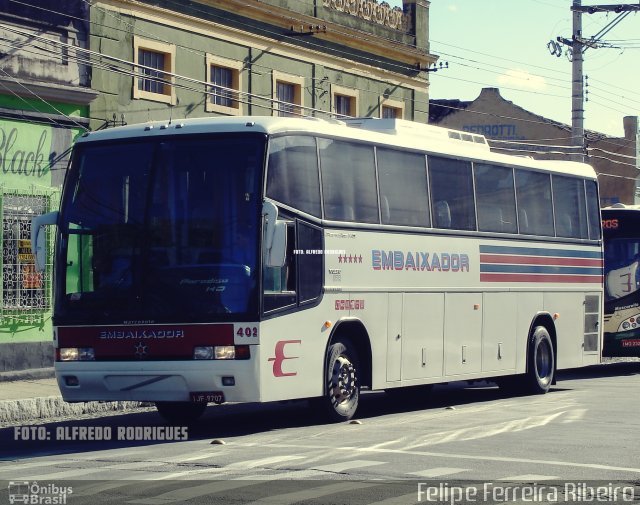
452,184
593,209
279,283
310,269
404,197
292,176
496,198
300,279
348,181
533,194
570,207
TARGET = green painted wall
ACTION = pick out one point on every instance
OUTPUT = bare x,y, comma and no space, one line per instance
32,151
48,107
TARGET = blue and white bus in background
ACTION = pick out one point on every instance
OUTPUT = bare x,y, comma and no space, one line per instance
621,230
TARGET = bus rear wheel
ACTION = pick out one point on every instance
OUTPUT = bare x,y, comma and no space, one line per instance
541,363
342,395
180,412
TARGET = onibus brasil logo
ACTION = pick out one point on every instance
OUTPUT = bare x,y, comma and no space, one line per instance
34,493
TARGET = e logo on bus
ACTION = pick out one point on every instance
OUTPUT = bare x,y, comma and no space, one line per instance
279,358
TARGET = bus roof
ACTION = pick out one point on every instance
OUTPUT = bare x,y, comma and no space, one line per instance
391,132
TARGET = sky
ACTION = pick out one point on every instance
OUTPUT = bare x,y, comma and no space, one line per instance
503,44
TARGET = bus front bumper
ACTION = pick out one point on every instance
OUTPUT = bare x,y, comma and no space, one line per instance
178,381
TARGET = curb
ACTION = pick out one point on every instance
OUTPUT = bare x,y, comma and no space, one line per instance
29,374
54,407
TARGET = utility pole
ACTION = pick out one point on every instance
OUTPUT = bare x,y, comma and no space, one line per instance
577,84
579,45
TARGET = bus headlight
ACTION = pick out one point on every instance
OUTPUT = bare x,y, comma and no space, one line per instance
221,352
631,323
225,352
203,352
76,354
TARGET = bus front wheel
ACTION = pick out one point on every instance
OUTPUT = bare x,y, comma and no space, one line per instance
340,401
180,412
540,362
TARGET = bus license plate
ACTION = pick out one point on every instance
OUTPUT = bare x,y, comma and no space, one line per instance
208,397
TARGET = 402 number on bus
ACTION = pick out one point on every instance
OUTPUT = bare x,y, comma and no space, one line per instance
244,332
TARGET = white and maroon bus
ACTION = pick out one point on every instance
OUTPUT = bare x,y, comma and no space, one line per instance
260,259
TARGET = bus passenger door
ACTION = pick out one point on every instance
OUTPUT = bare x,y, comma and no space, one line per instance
394,336
422,335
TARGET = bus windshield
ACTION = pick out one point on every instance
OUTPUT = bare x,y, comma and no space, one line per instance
162,229
622,267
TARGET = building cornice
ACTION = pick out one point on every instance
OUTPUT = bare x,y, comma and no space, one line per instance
286,20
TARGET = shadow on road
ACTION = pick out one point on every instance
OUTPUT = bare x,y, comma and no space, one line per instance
611,368
237,420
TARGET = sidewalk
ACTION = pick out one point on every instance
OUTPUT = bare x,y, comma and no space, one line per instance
33,396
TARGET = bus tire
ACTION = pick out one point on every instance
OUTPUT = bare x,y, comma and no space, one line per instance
180,412
342,393
541,364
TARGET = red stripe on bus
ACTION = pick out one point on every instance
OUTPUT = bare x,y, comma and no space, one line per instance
561,279
163,341
538,260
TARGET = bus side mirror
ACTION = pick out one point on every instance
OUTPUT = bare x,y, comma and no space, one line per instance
275,236
38,245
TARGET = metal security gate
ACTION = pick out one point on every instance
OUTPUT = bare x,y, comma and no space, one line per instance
25,296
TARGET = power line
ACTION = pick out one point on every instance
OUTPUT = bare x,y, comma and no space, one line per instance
233,91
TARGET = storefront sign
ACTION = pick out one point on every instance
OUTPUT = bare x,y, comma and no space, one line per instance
495,131
24,149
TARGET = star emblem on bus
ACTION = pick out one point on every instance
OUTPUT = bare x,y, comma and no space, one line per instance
352,258
141,350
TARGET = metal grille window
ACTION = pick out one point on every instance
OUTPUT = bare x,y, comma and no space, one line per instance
24,291
222,78
152,80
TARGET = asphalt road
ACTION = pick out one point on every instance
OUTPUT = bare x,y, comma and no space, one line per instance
583,433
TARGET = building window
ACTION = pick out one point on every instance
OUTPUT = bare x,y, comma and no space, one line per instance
222,78
155,62
391,109
226,79
287,95
24,290
344,101
153,80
